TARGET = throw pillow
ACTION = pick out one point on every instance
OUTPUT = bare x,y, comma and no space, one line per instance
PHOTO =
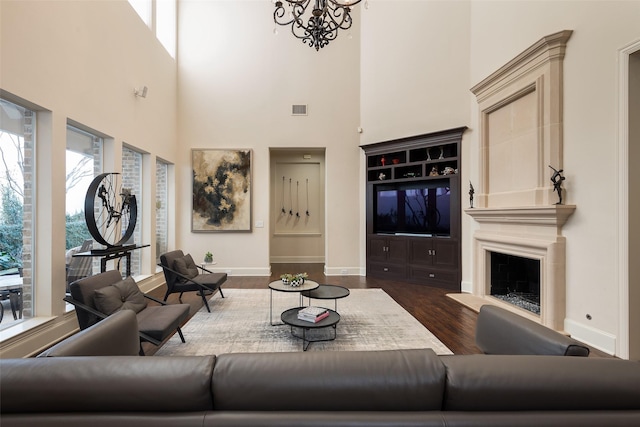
186,266
124,295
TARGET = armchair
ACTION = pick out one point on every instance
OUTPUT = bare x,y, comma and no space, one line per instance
96,297
183,275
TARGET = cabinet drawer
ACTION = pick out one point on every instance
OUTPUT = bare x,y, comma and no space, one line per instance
387,270
432,276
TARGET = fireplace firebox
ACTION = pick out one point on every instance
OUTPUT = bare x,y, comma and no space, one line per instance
516,280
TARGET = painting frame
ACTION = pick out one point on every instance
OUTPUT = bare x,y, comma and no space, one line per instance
221,190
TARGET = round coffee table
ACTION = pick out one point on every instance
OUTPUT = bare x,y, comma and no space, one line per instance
278,286
333,292
290,317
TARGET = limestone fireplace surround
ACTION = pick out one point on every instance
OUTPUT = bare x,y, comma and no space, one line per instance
520,135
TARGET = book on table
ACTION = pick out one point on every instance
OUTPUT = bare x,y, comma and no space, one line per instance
313,314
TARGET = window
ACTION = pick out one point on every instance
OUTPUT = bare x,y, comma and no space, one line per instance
160,16
132,180
162,211
83,163
166,25
17,147
143,9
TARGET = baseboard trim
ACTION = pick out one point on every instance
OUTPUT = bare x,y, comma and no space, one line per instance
296,259
596,338
466,287
344,271
241,271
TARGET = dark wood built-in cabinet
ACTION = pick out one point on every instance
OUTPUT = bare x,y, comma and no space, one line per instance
413,209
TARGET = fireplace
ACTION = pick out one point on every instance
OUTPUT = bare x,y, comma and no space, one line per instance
520,136
516,280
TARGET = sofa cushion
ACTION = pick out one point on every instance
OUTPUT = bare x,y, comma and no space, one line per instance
186,266
386,380
159,321
106,384
539,383
123,295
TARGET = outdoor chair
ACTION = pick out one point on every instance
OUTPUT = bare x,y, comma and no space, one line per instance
97,297
78,267
183,275
12,299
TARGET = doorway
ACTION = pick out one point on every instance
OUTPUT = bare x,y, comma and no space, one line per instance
297,216
629,231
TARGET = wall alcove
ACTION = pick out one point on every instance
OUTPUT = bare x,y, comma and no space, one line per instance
297,209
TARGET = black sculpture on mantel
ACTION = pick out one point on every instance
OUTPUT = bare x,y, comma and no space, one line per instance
557,179
471,193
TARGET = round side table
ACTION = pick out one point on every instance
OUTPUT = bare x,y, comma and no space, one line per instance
290,317
278,286
333,292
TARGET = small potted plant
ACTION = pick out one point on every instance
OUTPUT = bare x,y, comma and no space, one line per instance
302,277
208,257
286,278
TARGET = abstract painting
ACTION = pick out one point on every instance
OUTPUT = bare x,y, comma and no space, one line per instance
221,190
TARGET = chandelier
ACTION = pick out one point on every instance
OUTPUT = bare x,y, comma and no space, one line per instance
323,23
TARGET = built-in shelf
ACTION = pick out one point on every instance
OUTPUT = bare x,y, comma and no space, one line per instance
427,167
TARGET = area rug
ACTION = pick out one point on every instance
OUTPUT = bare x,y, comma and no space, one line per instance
370,320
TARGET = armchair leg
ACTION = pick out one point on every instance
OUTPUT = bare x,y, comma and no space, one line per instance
141,352
220,290
204,299
181,336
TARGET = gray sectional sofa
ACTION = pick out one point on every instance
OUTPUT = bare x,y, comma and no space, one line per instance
375,388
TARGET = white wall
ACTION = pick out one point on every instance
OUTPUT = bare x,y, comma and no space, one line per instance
415,68
80,61
237,82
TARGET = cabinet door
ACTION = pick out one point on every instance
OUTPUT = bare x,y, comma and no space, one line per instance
421,251
377,248
445,253
397,250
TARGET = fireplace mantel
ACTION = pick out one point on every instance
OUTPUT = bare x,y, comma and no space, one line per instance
552,215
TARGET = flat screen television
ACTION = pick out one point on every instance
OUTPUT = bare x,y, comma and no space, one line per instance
422,208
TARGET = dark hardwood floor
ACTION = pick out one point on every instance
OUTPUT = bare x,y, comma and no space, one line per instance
450,321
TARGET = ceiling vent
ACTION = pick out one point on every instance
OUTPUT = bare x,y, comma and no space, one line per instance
299,110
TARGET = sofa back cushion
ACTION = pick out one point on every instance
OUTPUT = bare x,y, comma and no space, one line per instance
83,291
122,295
106,384
168,260
186,266
540,383
400,380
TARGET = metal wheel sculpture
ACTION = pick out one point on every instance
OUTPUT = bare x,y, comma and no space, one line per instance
110,211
